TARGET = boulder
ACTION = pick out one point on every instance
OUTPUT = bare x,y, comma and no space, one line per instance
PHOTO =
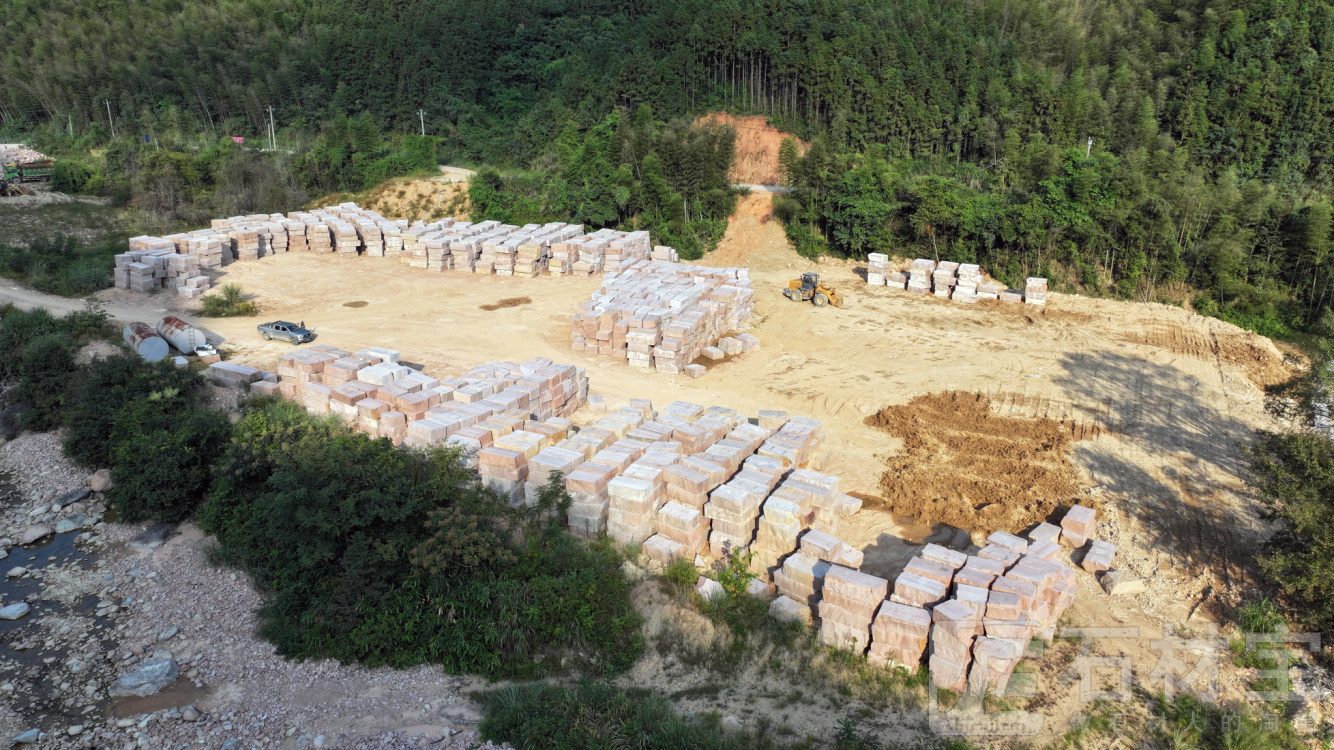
153,538
28,737
708,588
33,533
15,611
100,481
72,523
70,498
149,679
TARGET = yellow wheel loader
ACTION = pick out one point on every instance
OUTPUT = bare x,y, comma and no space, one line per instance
809,288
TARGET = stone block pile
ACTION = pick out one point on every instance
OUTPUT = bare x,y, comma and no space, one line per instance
153,264
504,412
691,481
485,247
664,315
970,617
961,282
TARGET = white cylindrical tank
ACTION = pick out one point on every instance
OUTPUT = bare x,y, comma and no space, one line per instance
145,342
180,334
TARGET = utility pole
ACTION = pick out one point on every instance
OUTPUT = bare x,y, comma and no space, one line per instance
70,117
113,122
1089,149
421,114
273,134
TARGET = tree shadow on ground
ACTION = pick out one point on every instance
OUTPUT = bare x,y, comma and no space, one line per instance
1159,410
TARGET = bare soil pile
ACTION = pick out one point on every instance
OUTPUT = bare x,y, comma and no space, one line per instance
967,467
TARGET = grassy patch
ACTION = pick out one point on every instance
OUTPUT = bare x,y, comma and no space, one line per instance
1187,723
596,715
90,222
61,264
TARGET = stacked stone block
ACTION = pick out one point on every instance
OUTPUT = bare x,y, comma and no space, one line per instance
663,315
849,602
961,282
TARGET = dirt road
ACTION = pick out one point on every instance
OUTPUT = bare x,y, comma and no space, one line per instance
138,307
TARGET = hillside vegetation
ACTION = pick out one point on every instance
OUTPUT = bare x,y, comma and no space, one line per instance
957,128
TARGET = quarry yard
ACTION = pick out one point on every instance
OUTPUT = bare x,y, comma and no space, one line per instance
1155,402
948,421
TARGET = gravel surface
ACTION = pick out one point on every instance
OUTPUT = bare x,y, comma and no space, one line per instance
38,467
108,602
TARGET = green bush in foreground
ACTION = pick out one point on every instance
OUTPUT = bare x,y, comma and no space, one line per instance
161,450
1190,724
43,371
98,392
384,556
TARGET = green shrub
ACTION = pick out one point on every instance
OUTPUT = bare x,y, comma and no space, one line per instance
44,371
98,392
1262,617
230,302
384,556
60,264
1294,475
19,329
593,715
1187,723
77,279
851,736
72,177
161,450
681,574
742,613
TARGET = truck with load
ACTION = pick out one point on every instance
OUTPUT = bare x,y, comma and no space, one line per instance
30,171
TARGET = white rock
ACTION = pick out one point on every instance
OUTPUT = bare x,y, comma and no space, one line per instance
15,611
708,588
33,533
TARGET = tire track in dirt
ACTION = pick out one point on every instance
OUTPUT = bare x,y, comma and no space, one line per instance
1256,355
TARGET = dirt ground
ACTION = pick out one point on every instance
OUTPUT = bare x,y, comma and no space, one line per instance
414,198
965,466
1169,417
757,143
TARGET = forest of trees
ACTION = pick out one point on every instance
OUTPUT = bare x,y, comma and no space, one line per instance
959,127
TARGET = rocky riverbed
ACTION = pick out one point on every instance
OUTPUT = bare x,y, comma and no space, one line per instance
126,636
